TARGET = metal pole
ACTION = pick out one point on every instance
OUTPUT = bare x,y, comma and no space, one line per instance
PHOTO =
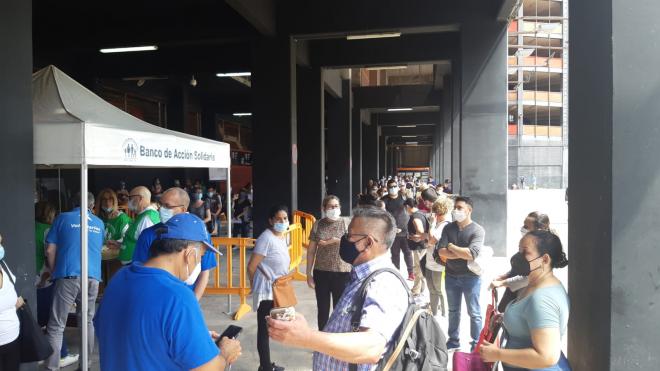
229,225
84,349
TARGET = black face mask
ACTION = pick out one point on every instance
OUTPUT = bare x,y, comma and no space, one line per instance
520,266
348,251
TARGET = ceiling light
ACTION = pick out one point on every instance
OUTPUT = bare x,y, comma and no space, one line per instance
412,143
408,136
386,68
129,49
241,114
399,109
234,74
406,126
373,36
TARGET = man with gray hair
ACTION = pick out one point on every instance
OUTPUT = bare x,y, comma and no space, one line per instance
365,246
63,256
174,201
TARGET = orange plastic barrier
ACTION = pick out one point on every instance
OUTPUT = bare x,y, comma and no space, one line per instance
307,222
296,252
243,288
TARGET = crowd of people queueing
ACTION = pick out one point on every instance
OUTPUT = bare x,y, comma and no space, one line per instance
149,317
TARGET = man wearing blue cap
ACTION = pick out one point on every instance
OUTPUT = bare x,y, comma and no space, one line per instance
174,201
150,320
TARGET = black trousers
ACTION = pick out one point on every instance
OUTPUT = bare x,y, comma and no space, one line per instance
401,244
263,342
328,284
10,356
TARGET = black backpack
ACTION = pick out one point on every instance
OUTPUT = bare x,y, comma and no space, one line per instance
420,344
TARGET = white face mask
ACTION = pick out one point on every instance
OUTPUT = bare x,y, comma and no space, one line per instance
393,190
458,215
165,214
523,231
132,205
333,214
192,276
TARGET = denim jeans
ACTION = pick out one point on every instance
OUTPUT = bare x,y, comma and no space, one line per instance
468,286
562,365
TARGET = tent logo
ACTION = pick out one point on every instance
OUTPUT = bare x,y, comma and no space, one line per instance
130,149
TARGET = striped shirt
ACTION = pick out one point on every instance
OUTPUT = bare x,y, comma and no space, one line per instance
384,307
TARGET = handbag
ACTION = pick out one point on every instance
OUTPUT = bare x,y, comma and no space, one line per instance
472,361
283,293
32,343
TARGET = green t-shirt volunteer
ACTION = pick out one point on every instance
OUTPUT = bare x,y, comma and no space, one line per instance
144,220
116,228
40,231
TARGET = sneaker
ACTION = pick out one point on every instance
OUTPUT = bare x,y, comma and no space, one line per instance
273,367
69,359
411,276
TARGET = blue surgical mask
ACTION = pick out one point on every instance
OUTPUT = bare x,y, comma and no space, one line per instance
165,214
2,252
108,209
281,227
198,196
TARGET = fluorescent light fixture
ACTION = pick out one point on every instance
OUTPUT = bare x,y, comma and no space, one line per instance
241,114
399,109
411,142
234,74
375,68
129,49
406,126
408,136
373,36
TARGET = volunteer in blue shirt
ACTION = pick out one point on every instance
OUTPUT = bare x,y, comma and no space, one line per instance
63,253
164,328
174,201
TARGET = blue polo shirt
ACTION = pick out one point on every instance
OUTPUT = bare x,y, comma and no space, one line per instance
149,320
65,233
148,236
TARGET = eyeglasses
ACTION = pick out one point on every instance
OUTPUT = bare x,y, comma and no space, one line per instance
349,235
170,206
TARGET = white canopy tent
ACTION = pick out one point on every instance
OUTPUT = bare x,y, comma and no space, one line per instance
74,127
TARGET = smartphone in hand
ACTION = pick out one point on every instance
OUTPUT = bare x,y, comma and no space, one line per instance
231,332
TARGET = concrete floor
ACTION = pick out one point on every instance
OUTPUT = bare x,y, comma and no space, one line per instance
215,307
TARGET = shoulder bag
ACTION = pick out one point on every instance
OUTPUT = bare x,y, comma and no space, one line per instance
32,342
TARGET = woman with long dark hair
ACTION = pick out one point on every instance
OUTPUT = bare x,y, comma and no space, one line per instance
269,261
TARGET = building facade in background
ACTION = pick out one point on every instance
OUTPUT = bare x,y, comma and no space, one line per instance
538,95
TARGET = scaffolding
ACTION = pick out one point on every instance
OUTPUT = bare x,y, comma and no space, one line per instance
538,94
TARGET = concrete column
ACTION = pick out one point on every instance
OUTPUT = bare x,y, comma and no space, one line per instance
456,102
483,131
339,114
447,114
177,107
356,160
311,164
382,155
17,187
614,275
274,117
370,152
